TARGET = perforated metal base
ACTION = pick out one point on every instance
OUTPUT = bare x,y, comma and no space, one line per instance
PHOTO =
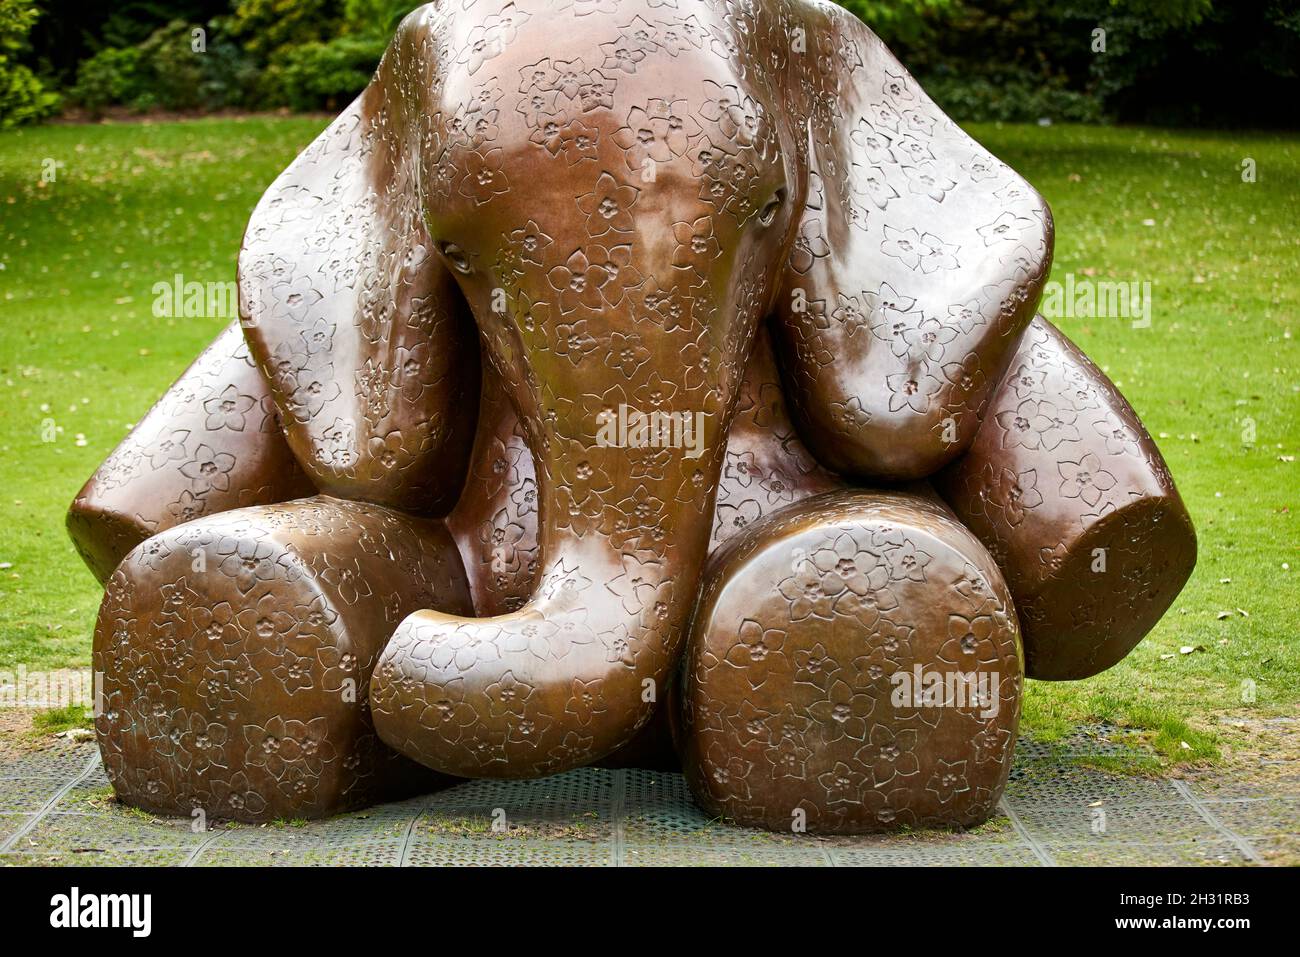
56,808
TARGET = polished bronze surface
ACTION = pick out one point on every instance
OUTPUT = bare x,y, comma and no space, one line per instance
854,665
361,336
235,653
570,285
495,521
212,443
1071,495
618,247
919,260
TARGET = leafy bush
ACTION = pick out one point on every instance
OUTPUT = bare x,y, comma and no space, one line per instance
23,97
314,76
1164,60
1011,100
231,76
166,72
110,76
1223,64
264,27
900,20
324,74
174,70
377,18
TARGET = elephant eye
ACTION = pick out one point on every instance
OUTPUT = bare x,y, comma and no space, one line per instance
456,256
768,212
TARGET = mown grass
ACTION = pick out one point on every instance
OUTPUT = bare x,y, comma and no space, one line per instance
1223,257
133,205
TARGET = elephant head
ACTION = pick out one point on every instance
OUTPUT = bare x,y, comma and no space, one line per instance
618,194
617,299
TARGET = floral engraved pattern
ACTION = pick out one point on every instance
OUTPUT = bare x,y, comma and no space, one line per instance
212,443
1066,488
920,208
259,707
583,313
571,517
859,594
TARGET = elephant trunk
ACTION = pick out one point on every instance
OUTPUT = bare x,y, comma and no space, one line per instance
625,493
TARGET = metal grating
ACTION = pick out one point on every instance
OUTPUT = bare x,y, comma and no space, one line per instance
27,795
56,808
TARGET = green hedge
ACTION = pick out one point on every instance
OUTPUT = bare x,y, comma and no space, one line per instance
323,75
23,96
1177,62
1011,100
165,71
302,54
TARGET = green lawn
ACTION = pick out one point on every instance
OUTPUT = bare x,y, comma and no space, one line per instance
135,204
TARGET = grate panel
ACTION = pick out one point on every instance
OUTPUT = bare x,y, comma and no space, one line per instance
27,794
1071,786
144,857
87,833
966,855
1139,823
508,851
376,854
598,817
1120,854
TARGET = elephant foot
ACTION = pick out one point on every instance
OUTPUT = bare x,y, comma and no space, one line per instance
233,656
854,666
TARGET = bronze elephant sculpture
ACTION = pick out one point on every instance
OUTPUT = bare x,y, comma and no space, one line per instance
595,365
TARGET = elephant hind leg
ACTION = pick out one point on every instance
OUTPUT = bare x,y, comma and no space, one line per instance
211,443
103,533
236,652
1067,490
854,665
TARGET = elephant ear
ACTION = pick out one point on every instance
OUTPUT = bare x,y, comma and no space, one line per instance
359,327
917,265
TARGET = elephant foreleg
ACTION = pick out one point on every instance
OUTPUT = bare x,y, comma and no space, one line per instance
854,665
